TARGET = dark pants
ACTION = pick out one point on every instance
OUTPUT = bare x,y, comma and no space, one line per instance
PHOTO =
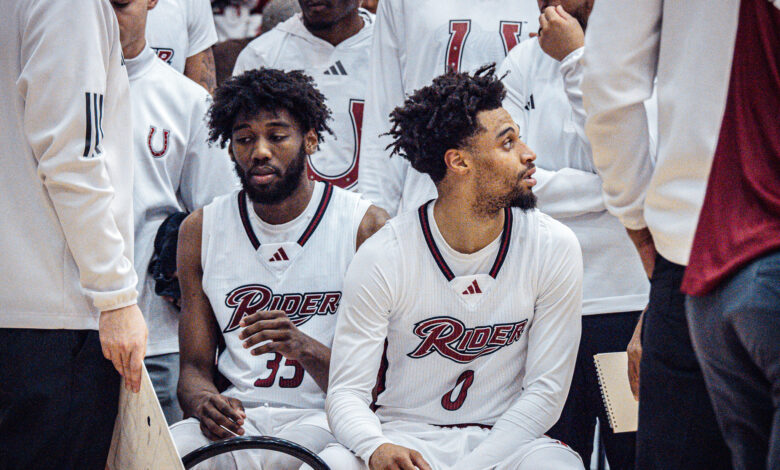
609,332
736,334
677,426
58,400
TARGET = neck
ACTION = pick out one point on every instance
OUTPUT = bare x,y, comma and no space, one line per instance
343,29
465,229
290,207
132,50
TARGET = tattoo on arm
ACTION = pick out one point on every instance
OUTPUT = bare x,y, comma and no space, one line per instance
200,68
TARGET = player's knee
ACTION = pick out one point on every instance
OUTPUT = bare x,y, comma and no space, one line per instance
338,457
553,457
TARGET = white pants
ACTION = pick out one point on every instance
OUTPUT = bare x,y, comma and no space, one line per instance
308,428
443,447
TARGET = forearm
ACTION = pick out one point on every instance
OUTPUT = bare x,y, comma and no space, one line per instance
200,68
568,192
315,359
194,382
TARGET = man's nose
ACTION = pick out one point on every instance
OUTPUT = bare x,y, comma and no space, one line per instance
262,151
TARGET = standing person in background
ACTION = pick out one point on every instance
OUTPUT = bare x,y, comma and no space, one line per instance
69,296
733,275
415,41
543,96
175,170
688,47
182,32
330,41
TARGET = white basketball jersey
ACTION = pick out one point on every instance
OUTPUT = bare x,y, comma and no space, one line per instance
458,354
340,73
302,276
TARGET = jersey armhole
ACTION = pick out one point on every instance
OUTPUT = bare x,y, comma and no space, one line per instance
205,235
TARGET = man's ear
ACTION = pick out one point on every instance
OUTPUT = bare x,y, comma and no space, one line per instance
310,142
457,161
151,4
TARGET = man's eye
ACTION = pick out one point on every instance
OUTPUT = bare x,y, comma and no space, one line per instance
244,140
278,137
508,144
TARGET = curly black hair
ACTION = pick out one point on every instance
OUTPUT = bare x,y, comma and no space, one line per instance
267,89
443,116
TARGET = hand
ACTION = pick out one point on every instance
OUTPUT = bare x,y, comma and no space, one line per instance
220,417
560,34
634,351
275,327
643,241
123,340
393,457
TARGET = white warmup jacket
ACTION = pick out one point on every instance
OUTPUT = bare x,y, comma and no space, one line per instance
175,170
66,184
414,42
178,29
544,98
688,46
340,74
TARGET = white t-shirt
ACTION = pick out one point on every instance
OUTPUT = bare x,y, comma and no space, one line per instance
340,73
298,267
488,338
414,42
178,29
67,179
544,98
175,170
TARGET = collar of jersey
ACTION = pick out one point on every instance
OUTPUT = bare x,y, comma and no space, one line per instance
503,249
138,65
243,211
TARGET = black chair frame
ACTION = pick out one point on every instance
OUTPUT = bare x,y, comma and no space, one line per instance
253,442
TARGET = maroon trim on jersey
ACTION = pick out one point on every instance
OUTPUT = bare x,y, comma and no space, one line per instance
503,249
381,377
426,229
242,211
506,236
326,196
315,221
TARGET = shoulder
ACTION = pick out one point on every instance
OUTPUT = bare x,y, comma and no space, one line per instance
373,220
191,231
256,54
380,251
556,239
176,84
520,60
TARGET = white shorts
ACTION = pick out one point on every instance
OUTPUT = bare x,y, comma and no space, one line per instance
443,447
308,428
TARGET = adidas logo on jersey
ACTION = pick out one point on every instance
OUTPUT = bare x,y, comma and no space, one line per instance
472,289
280,255
336,69
450,338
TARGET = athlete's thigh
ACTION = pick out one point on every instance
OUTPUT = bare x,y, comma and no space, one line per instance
188,437
313,438
543,454
337,457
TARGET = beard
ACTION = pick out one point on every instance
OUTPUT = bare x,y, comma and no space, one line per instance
280,190
521,197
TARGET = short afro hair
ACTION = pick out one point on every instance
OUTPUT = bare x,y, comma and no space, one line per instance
443,116
267,89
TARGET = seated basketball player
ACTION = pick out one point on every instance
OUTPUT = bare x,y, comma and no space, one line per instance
261,272
469,306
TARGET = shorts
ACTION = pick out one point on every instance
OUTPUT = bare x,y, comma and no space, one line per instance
443,447
308,428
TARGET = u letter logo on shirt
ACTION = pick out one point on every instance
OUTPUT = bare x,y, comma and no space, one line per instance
162,151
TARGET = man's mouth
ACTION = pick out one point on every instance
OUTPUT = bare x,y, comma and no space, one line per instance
262,175
317,6
528,177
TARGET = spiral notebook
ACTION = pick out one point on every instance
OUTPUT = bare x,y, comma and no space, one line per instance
622,409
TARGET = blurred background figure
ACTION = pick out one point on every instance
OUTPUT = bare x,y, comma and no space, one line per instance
331,41
182,32
68,297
